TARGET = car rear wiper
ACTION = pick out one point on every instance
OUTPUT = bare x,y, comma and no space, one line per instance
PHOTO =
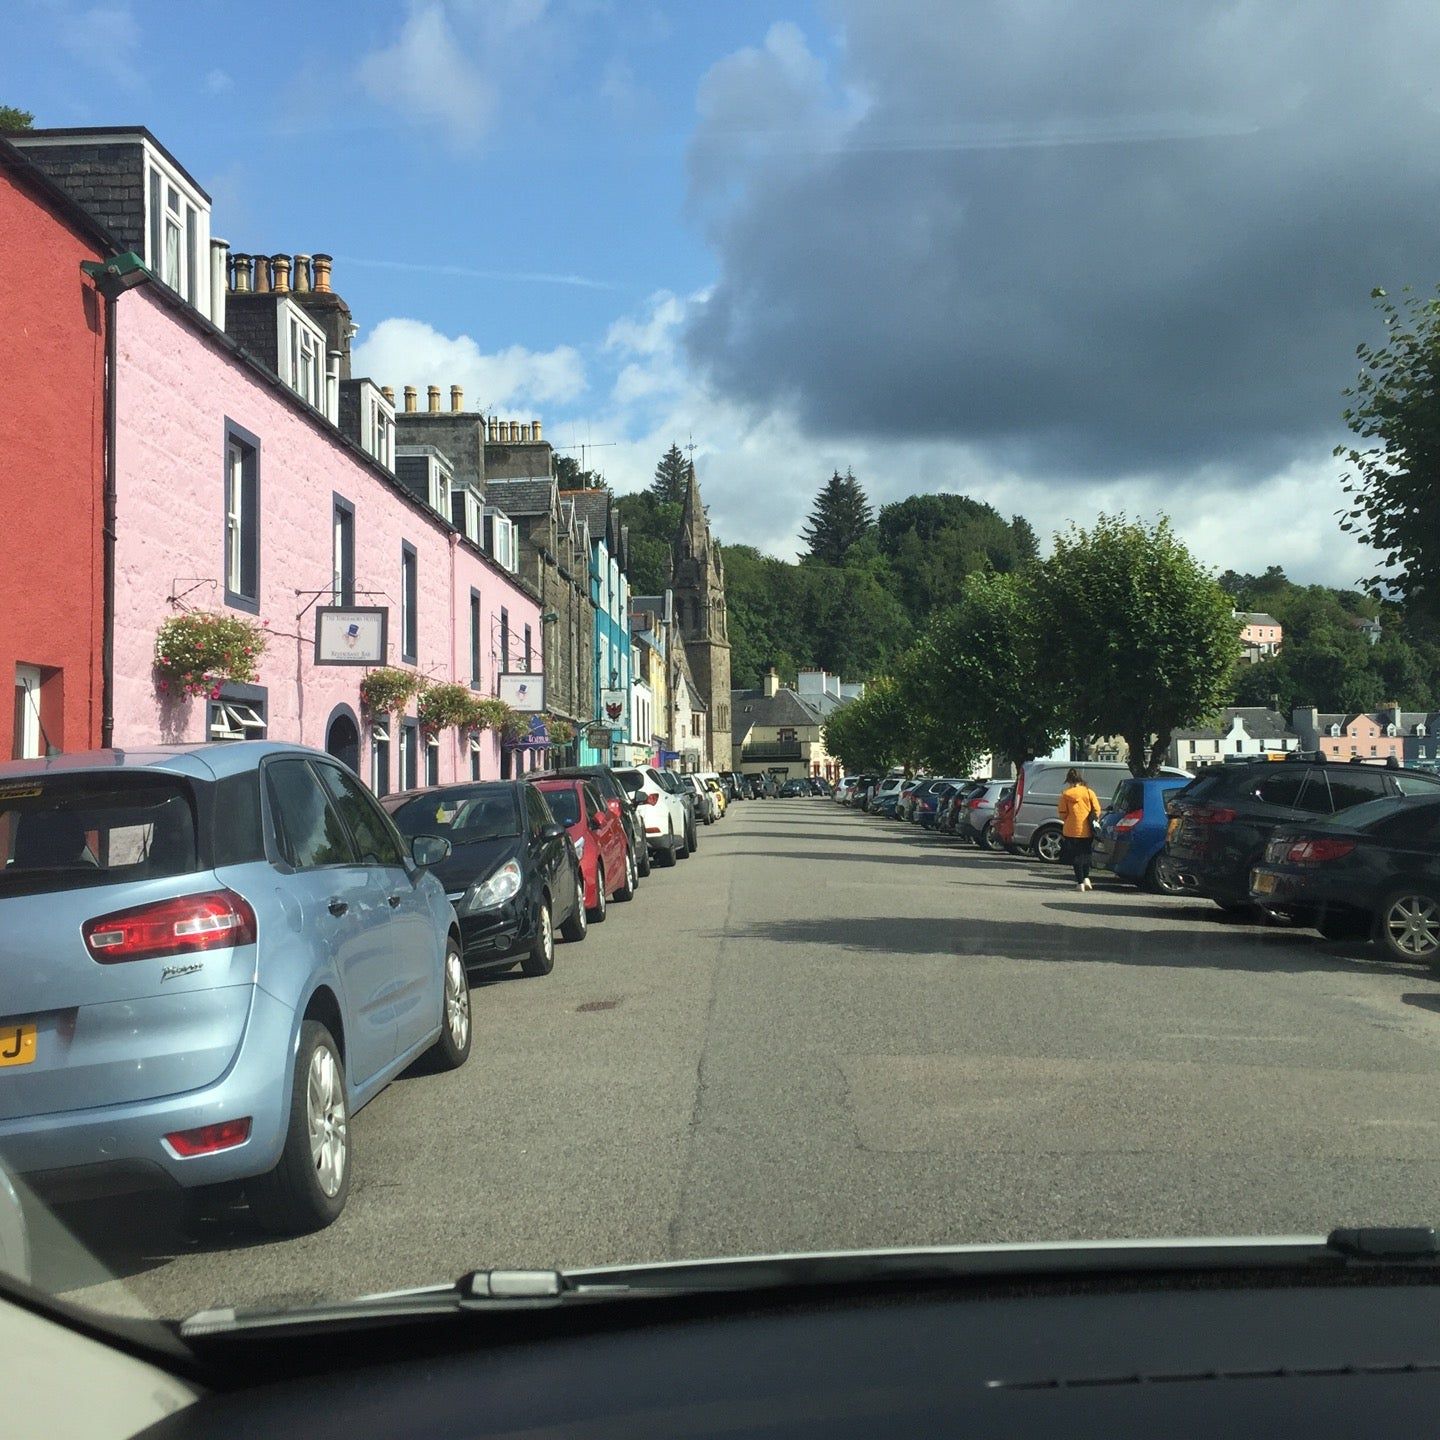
490,1290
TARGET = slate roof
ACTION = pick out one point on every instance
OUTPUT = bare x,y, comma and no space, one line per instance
1260,724
1257,617
593,507
520,497
749,708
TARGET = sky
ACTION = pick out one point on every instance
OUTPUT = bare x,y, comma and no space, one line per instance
1066,256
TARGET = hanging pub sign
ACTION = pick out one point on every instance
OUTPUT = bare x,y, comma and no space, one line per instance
613,706
523,691
598,737
351,634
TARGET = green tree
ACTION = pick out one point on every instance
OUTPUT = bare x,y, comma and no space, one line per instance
841,517
869,734
672,476
845,621
1395,403
12,119
761,606
978,671
652,524
1027,543
569,475
1139,640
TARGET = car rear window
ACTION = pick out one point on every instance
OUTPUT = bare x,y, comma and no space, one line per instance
1129,795
464,816
564,804
631,780
67,832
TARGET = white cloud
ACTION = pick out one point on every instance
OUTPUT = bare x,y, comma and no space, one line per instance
217,82
402,352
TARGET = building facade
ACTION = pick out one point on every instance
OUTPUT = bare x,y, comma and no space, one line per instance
698,584
779,731
1261,635
1245,730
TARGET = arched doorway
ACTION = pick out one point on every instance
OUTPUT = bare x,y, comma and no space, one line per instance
342,738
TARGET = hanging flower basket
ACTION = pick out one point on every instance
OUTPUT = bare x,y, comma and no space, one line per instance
441,706
561,732
487,714
386,690
514,724
198,651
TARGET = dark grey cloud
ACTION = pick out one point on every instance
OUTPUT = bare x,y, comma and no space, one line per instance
1090,238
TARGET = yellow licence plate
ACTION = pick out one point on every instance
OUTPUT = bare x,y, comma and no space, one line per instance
1172,827
1263,884
17,1043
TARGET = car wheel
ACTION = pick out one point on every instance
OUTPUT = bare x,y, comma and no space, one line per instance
666,858
1409,926
598,914
540,958
986,839
307,1190
642,864
577,925
452,1049
1046,844
682,851
1160,878
627,890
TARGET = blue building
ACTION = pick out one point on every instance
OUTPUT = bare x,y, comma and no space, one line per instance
597,517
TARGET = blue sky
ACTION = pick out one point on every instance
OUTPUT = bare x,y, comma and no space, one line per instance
1049,255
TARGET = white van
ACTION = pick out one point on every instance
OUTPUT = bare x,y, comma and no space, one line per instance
1037,796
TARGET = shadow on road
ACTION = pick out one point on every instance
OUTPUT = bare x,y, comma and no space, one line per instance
1423,1000
1216,947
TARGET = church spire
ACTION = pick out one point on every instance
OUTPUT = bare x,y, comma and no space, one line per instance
693,536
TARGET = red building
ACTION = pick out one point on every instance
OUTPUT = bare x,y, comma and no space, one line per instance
52,469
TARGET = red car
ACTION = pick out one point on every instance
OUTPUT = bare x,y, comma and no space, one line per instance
1005,819
605,862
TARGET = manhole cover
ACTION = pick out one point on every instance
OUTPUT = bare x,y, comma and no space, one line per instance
596,1005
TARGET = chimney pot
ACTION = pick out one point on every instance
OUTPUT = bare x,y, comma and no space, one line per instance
457,398
281,266
219,279
302,274
262,274
492,429
241,265
433,392
388,391
514,432
322,273
537,430
524,432
409,399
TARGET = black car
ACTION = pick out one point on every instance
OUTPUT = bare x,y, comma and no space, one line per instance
792,788
1221,822
732,785
820,786
618,802
512,873
1373,870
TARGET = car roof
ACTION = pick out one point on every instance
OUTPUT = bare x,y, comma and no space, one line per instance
395,797
199,760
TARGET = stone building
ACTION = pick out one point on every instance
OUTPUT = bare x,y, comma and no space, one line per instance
698,583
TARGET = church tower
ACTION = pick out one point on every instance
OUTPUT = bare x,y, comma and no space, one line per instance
697,576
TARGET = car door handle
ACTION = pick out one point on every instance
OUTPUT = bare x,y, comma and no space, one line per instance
339,907
394,901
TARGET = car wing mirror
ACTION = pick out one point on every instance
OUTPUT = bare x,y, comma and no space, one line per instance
553,832
429,849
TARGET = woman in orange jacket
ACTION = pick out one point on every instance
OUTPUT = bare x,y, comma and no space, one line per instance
1079,809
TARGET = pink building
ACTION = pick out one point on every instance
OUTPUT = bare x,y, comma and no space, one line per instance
1362,736
1261,635
235,495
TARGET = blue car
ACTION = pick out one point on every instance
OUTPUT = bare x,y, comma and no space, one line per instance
1130,835
212,956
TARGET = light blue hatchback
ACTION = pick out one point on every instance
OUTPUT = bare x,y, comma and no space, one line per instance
211,956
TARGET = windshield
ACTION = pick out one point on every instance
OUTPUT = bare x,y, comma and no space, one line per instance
462,816
797,392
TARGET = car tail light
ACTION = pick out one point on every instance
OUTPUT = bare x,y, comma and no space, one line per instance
1317,851
650,799
210,921
977,802
1213,815
207,1139
1130,819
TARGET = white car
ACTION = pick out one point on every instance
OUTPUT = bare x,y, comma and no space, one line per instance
706,810
844,790
661,811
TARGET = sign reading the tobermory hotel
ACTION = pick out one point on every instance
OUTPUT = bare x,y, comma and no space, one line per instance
350,634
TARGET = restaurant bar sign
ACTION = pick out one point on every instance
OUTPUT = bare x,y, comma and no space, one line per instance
351,634
522,691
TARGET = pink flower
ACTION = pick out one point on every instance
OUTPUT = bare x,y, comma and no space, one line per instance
164,684
215,693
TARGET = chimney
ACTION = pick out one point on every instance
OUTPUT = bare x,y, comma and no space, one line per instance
332,385
240,269
302,274
388,391
771,683
262,274
409,399
514,432
525,434
322,273
281,266
433,393
536,428
457,399
219,265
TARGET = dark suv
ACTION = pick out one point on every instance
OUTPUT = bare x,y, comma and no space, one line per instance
1221,822
617,801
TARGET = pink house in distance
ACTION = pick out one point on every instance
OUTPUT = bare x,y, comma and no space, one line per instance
1261,635
1360,735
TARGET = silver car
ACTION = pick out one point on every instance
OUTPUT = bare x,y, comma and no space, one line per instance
212,956
977,815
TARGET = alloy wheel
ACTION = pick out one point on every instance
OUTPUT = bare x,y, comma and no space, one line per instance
1047,846
1413,924
457,1001
325,1116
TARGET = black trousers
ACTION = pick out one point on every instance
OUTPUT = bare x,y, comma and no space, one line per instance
1076,854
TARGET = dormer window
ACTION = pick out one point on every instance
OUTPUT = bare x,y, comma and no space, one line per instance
1335,731
302,354
177,238
1420,728
379,437
1390,729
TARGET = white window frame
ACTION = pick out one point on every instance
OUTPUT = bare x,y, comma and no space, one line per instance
301,347
28,678
188,219
378,422
439,487
474,521
235,518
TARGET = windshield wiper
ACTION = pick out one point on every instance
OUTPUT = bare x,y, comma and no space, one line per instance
490,1290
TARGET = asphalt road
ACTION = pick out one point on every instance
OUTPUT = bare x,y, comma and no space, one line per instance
826,1030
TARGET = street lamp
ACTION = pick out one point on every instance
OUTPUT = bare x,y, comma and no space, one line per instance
115,276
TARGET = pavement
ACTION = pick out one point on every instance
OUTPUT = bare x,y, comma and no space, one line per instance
826,1030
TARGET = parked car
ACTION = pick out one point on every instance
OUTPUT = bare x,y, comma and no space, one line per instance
1002,831
819,785
706,811
976,811
844,789
711,782
212,956
512,872
1130,833
617,798
885,805
890,785
927,799
1370,871
1037,793
950,810
730,781
662,812
599,839
1219,825
794,787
